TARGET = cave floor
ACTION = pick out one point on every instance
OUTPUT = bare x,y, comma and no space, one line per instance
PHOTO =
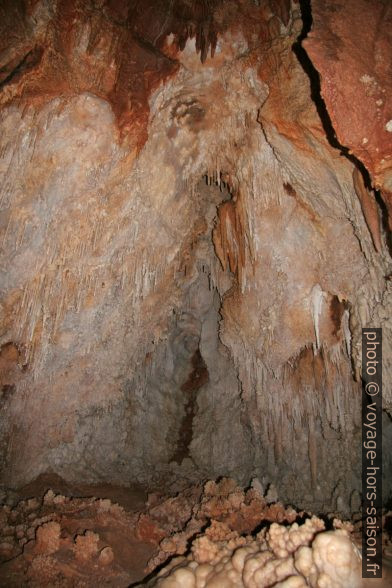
86,527
131,498
57,534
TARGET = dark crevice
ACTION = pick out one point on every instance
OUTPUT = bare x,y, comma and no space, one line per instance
29,61
384,220
336,310
155,572
150,48
314,78
196,380
315,88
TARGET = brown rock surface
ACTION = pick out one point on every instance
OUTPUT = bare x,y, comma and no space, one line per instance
48,538
89,542
186,266
350,46
74,542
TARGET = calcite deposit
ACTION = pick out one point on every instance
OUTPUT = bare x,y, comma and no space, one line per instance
173,522
56,540
293,557
212,534
209,536
194,201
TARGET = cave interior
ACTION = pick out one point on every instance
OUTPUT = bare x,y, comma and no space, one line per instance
195,229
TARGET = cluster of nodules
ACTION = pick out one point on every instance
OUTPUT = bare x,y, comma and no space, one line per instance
208,535
226,553
172,522
53,541
297,556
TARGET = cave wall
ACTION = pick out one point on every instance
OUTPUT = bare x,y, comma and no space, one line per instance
186,264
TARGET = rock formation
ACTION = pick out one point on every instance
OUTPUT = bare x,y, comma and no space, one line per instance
194,229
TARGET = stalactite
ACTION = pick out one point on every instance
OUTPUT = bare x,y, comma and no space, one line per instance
317,296
346,330
369,209
231,237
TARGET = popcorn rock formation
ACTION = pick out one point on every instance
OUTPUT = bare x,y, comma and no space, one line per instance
290,557
70,542
188,253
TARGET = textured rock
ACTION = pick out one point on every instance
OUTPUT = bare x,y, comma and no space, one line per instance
230,510
296,556
186,266
73,541
86,546
350,45
91,542
48,538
